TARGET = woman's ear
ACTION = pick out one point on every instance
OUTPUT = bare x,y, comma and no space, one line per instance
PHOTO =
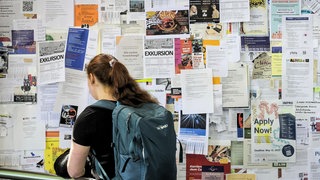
91,78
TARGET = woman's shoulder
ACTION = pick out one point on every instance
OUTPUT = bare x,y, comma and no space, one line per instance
96,110
92,114
92,110
103,103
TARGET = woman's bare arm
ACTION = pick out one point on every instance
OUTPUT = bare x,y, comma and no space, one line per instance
77,160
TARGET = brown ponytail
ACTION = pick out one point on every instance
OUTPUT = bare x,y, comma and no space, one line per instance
114,74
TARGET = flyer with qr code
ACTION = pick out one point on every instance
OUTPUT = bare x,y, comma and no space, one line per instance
28,6
273,131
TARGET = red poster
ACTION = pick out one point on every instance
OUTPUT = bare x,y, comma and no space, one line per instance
198,167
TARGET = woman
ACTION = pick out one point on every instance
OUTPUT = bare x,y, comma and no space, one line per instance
193,11
108,80
213,12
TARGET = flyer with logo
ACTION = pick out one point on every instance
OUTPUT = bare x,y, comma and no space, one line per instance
273,131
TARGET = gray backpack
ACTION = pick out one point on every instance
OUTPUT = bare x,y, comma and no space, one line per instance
144,142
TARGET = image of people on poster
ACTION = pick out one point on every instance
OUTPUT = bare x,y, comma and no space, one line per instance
68,115
213,11
3,62
204,11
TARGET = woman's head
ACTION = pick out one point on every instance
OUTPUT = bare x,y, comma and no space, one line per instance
114,75
98,71
193,10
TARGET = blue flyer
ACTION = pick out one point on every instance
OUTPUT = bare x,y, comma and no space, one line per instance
76,48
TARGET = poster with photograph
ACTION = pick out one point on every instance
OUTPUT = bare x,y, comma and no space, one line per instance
273,134
18,80
193,130
136,6
183,49
258,24
68,115
27,91
166,82
219,151
198,167
135,15
204,11
158,58
51,62
262,66
314,130
193,124
11,10
197,54
174,22
23,42
240,124
209,31
4,63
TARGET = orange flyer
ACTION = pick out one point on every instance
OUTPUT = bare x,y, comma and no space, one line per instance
85,14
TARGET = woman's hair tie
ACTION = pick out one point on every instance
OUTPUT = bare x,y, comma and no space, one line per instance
112,62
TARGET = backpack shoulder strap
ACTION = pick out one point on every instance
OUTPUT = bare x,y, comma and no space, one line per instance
104,104
97,170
